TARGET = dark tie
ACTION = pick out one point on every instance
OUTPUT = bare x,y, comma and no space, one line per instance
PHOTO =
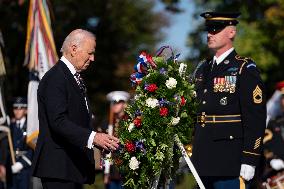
214,66
18,124
80,82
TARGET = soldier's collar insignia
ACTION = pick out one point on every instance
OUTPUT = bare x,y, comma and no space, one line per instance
257,95
226,62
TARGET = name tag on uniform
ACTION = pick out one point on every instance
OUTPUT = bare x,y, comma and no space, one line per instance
225,84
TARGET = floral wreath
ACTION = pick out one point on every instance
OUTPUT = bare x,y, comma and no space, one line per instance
164,105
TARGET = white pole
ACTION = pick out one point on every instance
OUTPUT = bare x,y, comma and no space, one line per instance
189,163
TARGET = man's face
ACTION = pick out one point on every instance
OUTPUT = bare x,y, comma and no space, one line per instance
219,39
19,113
85,54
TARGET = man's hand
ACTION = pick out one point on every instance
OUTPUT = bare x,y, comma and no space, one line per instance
247,172
17,167
106,141
277,164
106,179
2,172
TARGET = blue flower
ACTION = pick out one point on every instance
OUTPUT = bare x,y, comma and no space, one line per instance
138,113
163,71
140,145
163,102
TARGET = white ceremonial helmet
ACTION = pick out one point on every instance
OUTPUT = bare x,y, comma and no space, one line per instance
116,96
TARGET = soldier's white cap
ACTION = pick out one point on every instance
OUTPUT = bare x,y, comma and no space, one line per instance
117,96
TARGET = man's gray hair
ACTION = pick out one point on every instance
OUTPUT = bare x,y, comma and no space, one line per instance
76,37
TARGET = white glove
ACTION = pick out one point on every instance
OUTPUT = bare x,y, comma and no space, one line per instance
17,167
277,164
247,171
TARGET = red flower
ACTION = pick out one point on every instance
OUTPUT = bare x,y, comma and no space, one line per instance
118,161
130,146
183,101
137,122
164,111
151,88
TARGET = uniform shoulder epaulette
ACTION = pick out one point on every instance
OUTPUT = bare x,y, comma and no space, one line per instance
245,61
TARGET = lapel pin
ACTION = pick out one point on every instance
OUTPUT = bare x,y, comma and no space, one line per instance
226,62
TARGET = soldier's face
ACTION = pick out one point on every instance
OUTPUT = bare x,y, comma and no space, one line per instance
19,113
118,107
221,39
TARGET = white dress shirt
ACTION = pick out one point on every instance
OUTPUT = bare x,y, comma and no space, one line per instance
21,122
73,71
222,56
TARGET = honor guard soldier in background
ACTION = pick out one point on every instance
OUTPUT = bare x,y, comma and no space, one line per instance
23,153
274,143
232,112
118,100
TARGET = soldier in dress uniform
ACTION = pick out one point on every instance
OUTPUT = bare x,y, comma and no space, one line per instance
23,153
232,112
274,143
118,100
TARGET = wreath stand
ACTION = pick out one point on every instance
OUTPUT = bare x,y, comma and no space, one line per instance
189,163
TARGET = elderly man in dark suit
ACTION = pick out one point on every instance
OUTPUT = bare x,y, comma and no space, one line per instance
63,157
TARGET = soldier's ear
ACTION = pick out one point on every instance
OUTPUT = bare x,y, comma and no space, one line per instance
232,32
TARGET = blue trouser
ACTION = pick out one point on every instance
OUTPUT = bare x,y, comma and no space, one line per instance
115,184
21,180
224,183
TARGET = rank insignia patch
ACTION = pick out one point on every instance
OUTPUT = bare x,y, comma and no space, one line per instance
257,95
257,143
225,84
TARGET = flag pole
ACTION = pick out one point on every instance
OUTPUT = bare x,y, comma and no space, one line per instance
11,148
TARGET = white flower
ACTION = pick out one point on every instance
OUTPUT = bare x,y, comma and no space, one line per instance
131,127
152,102
137,96
134,163
182,68
171,83
175,120
194,94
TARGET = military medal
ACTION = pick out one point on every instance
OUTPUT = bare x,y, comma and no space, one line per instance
225,84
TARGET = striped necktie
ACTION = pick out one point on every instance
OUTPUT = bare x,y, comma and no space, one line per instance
80,82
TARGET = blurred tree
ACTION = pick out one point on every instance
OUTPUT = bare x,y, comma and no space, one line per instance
260,34
123,28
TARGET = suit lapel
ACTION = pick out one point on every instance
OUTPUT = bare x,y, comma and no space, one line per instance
224,65
73,82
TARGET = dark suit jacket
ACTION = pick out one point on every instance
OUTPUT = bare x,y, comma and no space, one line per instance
64,126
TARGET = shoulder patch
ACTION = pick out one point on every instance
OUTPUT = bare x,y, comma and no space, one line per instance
251,65
245,61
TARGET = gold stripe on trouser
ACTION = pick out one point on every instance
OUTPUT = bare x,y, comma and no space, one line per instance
242,183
